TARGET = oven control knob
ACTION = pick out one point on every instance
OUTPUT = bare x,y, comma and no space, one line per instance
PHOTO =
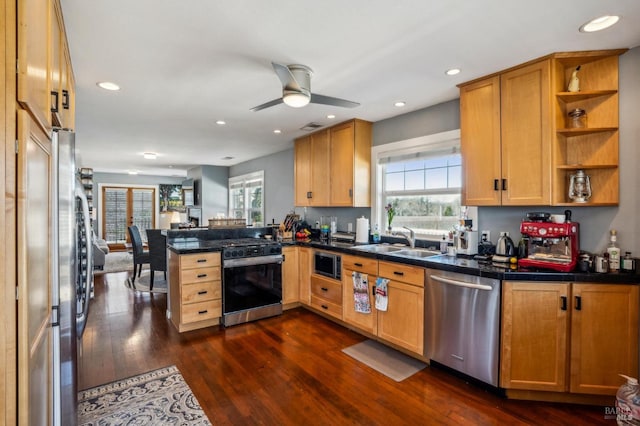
227,254
543,231
240,253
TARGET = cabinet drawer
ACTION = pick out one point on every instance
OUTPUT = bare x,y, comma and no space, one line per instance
327,289
200,292
403,273
199,260
360,264
199,275
201,311
326,306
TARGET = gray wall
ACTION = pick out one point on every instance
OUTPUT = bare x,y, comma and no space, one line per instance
212,193
595,222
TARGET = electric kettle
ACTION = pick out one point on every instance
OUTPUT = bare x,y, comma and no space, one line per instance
505,246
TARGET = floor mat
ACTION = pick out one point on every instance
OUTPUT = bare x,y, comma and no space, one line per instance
388,361
154,398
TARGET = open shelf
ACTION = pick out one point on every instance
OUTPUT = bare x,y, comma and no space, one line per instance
586,166
585,130
580,96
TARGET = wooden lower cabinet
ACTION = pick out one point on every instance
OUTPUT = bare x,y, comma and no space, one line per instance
195,290
363,321
403,322
305,259
568,337
290,277
326,295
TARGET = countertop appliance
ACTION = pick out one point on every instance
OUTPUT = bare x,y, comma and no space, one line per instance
467,242
72,276
462,315
505,249
327,264
551,245
251,280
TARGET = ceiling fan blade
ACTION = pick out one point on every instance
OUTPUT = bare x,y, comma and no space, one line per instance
267,105
289,82
328,100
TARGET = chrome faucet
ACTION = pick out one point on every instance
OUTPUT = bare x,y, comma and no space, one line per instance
411,238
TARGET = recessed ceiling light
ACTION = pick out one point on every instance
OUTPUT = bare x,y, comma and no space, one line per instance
400,103
228,158
331,116
277,131
600,23
107,85
133,172
452,71
150,155
221,122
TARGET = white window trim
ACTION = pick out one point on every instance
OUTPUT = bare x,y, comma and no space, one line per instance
407,146
241,179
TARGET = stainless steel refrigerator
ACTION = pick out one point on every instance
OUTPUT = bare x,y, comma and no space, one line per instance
73,275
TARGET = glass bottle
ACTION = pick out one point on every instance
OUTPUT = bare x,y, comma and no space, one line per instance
376,234
614,252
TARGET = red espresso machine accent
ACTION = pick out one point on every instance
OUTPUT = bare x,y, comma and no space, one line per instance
551,245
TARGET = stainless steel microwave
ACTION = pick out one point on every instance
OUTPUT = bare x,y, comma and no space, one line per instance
327,264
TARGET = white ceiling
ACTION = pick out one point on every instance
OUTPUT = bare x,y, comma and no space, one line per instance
182,65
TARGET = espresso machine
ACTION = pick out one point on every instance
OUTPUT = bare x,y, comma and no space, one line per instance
551,245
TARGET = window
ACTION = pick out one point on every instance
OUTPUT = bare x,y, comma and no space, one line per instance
246,198
125,206
421,179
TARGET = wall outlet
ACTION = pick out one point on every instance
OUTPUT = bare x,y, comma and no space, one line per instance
485,236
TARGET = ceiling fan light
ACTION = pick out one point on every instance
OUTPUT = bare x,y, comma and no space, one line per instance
296,100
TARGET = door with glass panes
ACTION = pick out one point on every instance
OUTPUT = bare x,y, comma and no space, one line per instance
126,206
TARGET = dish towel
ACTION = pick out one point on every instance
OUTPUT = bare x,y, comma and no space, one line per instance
381,294
361,292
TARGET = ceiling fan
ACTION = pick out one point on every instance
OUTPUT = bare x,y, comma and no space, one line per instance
296,89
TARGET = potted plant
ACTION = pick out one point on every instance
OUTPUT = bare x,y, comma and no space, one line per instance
391,212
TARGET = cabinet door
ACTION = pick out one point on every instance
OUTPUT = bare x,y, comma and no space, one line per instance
604,337
364,321
403,321
302,171
535,320
290,280
320,169
526,135
480,142
33,59
304,273
342,157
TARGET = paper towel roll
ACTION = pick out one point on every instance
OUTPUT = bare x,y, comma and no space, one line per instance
362,230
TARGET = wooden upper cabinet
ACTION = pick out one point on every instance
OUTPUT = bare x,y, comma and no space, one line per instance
333,166
526,135
480,142
34,86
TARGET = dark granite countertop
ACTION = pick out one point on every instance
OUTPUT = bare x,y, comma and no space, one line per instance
190,243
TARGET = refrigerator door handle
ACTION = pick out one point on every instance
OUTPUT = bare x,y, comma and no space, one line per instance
86,281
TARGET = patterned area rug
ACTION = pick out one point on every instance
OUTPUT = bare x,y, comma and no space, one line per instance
159,397
117,261
143,281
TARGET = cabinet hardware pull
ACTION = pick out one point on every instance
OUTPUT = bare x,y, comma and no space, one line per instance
202,275
358,264
284,257
203,312
578,303
504,184
373,290
324,306
54,107
563,303
324,289
65,99
350,193
495,185
309,194
203,292
201,260
398,273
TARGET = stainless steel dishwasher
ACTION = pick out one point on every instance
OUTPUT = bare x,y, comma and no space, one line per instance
462,326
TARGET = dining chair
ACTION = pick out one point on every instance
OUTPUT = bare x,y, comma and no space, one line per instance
140,256
157,253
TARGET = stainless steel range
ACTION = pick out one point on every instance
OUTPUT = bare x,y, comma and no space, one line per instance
251,281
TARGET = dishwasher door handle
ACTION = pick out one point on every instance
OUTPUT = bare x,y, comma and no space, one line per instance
461,283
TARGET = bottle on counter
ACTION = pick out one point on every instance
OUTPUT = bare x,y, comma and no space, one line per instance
376,234
443,245
628,263
614,252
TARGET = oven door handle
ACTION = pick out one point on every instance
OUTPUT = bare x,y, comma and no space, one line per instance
252,261
461,283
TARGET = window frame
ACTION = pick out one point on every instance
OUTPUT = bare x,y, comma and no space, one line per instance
405,147
243,179
99,202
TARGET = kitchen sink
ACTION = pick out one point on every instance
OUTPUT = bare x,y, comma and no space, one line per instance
415,253
378,248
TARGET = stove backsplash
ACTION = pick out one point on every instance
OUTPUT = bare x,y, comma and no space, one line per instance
218,234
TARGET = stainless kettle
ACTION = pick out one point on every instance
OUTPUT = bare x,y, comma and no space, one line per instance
505,246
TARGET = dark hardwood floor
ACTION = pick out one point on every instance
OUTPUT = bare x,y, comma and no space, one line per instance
287,370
